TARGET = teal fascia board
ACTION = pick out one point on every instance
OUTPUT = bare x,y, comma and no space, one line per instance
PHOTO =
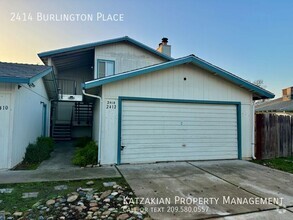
41,75
122,98
25,80
100,43
14,80
189,59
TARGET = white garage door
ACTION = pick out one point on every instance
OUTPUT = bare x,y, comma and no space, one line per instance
4,129
168,131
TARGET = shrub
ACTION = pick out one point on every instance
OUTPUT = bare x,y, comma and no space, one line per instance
39,151
87,155
82,141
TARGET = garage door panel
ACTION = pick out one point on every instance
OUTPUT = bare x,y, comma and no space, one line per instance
178,132
163,131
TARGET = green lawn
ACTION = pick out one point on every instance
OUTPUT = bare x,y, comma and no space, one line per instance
14,201
284,164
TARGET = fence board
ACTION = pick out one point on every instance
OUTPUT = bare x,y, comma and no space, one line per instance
273,136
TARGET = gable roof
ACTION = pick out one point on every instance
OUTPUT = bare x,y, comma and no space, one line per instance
22,73
100,43
260,92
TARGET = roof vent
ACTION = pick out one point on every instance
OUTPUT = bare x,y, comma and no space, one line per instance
164,48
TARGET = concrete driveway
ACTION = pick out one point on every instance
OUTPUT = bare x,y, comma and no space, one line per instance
211,189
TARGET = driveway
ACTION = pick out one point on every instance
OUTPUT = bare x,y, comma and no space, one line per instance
211,189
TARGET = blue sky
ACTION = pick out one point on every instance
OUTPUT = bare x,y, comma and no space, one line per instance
252,39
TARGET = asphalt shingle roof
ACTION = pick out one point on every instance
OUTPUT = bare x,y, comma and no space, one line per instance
22,71
276,105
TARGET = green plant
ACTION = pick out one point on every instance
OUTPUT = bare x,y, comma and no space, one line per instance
87,155
46,142
39,151
82,141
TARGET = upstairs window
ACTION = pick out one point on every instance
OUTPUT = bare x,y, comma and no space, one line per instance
105,68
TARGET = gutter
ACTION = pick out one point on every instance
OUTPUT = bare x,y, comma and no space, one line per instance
100,123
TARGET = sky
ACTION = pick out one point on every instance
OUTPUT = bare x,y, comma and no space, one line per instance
252,39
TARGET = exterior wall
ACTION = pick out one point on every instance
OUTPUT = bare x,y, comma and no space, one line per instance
96,121
28,118
170,84
6,118
126,56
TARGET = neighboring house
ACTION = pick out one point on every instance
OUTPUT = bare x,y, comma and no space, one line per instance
281,106
141,105
25,94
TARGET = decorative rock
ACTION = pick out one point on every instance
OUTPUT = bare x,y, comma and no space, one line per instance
108,184
50,202
122,216
89,166
94,209
106,213
30,195
93,204
72,198
61,187
105,194
114,193
17,214
107,200
89,183
124,207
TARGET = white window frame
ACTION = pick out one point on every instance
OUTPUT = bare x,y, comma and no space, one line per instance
107,62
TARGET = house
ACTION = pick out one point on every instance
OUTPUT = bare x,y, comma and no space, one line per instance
280,106
141,105
25,94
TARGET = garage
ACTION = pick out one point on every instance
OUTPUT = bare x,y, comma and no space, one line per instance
169,130
5,99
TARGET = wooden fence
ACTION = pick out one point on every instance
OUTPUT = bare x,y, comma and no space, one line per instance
273,136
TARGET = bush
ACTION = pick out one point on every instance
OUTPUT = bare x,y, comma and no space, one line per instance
86,155
39,151
82,141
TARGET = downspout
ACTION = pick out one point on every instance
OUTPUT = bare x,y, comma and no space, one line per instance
100,123
253,131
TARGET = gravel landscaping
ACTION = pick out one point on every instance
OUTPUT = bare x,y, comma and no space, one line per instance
86,202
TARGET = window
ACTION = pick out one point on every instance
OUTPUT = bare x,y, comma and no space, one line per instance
105,68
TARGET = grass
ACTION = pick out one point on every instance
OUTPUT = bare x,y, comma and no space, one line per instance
26,166
13,202
283,163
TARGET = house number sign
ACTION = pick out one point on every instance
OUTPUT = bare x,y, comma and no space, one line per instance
111,105
3,107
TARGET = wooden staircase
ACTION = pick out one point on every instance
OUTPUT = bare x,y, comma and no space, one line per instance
82,114
62,132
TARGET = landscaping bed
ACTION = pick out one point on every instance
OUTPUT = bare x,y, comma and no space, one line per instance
284,163
86,199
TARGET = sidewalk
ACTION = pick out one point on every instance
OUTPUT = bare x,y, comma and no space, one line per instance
58,168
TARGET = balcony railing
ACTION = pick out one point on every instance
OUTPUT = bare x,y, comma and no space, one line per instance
66,86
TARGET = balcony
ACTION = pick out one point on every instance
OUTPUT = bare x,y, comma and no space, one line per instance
67,90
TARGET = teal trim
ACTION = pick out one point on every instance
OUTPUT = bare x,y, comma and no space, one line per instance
44,121
239,131
14,80
119,129
103,60
122,98
41,75
100,43
189,59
